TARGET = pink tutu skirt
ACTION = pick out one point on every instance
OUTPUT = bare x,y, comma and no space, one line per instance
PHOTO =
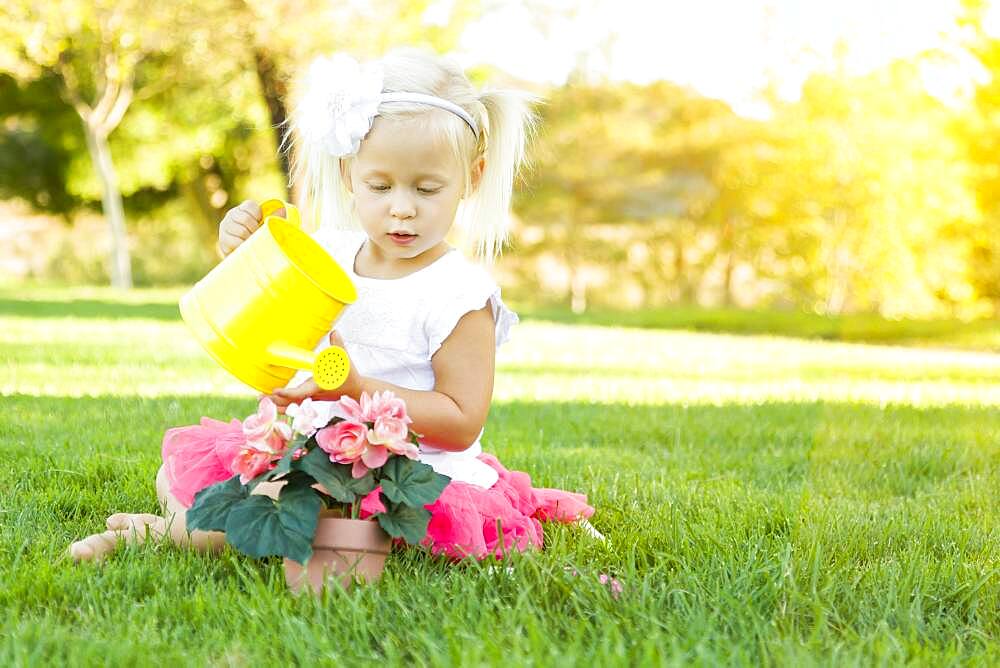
466,520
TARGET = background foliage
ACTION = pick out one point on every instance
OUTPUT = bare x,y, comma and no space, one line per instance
867,194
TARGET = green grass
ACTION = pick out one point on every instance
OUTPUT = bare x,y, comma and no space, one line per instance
767,500
983,334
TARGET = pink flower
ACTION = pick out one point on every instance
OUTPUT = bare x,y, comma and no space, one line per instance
384,405
373,457
344,441
393,433
381,404
264,430
352,409
612,584
388,430
309,416
374,429
405,448
250,463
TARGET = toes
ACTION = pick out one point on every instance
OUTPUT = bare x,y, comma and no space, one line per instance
132,528
142,520
95,547
122,521
80,551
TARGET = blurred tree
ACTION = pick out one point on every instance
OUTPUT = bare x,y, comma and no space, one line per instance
94,50
199,81
617,155
980,130
35,155
854,198
873,190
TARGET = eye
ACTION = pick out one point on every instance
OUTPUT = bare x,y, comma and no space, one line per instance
378,187
428,191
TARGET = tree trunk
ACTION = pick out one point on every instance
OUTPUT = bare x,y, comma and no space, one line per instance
727,281
114,210
726,246
274,91
684,292
578,291
839,269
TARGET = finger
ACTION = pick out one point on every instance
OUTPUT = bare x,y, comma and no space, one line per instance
284,396
233,222
280,402
335,339
252,208
237,230
246,220
303,390
228,242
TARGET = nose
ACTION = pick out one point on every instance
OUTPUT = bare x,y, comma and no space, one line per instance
401,207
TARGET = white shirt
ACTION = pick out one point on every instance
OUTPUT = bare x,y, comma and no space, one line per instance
395,326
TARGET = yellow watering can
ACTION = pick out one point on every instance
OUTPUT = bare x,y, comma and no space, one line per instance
262,310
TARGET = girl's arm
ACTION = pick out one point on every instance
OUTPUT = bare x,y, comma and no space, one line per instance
450,416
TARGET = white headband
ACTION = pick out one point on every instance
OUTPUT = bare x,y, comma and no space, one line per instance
341,102
438,102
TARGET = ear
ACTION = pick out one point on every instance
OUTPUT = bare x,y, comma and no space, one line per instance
476,176
345,175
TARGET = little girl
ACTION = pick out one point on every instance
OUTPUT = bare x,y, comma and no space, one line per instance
391,154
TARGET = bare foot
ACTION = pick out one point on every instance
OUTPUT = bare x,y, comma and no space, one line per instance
131,528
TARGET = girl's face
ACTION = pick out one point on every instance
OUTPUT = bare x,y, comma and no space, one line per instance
406,187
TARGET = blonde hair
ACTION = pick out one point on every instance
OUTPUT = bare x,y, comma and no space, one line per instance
505,122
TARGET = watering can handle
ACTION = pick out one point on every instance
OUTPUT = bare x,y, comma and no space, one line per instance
269,206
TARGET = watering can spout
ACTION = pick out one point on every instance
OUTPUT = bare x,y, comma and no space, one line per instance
262,310
329,367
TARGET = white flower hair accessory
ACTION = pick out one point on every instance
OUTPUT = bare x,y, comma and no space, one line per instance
341,101
339,104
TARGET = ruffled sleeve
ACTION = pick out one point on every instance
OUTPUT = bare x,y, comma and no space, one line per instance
468,292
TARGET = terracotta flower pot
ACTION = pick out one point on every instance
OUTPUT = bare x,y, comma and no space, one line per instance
343,550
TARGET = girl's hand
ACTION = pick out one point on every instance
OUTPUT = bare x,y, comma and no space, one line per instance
238,224
309,389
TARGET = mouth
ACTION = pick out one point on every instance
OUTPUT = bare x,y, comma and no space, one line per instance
402,238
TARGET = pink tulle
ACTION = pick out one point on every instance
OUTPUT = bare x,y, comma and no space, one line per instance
200,455
466,520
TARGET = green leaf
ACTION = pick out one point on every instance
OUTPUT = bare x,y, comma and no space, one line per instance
336,478
260,526
298,478
212,505
413,483
403,521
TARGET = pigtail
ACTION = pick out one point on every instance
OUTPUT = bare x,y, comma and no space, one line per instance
510,122
323,195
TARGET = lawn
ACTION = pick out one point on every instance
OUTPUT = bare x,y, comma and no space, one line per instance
767,500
